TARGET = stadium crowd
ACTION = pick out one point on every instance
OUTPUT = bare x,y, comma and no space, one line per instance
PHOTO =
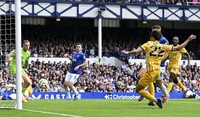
98,78
55,42
158,2
51,42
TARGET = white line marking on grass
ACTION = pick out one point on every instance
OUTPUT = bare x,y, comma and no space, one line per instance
189,102
51,113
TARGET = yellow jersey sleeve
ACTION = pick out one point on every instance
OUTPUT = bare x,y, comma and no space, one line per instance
183,50
167,47
144,46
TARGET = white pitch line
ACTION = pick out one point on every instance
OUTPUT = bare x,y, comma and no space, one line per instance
184,102
51,113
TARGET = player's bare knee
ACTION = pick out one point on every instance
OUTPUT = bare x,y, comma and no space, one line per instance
140,73
172,75
26,80
70,84
175,80
138,88
170,80
29,83
26,85
158,83
65,84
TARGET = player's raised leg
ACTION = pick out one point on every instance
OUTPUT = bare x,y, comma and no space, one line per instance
140,74
69,83
147,95
173,78
159,83
152,92
146,80
67,90
26,81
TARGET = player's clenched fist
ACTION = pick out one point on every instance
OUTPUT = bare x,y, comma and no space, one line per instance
65,55
124,52
192,37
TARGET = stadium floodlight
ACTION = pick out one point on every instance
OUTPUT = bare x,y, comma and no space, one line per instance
58,19
101,9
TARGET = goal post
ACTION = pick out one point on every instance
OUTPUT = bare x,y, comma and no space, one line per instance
18,52
10,39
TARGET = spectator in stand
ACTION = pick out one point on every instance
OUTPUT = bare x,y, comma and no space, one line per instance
96,81
178,2
40,35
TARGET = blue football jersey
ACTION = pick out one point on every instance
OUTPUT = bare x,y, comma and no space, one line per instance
77,59
163,40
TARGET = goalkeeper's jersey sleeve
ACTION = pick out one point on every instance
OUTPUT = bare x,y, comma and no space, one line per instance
25,57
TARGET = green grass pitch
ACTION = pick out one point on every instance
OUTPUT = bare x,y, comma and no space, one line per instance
104,108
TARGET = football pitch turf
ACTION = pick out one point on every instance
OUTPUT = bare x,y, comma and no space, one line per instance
104,108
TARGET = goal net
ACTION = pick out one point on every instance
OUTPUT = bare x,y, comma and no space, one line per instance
7,43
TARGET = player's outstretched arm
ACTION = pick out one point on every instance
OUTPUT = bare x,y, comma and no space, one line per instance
188,58
67,56
9,57
190,38
166,55
81,65
84,63
135,51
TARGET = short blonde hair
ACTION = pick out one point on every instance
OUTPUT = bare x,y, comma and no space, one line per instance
26,41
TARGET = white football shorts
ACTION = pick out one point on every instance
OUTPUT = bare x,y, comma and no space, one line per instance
162,70
70,77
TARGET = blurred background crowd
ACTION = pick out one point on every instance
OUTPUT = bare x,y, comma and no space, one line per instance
50,42
172,2
98,78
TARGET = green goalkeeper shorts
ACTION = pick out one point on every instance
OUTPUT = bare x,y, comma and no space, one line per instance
13,71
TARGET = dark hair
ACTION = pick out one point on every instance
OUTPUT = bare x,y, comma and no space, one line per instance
157,35
176,37
156,26
78,44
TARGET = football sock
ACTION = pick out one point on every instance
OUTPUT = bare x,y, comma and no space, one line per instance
74,90
169,87
151,89
30,90
164,90
147,95
181,85
67,90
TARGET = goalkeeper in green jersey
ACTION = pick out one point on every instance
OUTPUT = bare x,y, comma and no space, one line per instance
11,59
